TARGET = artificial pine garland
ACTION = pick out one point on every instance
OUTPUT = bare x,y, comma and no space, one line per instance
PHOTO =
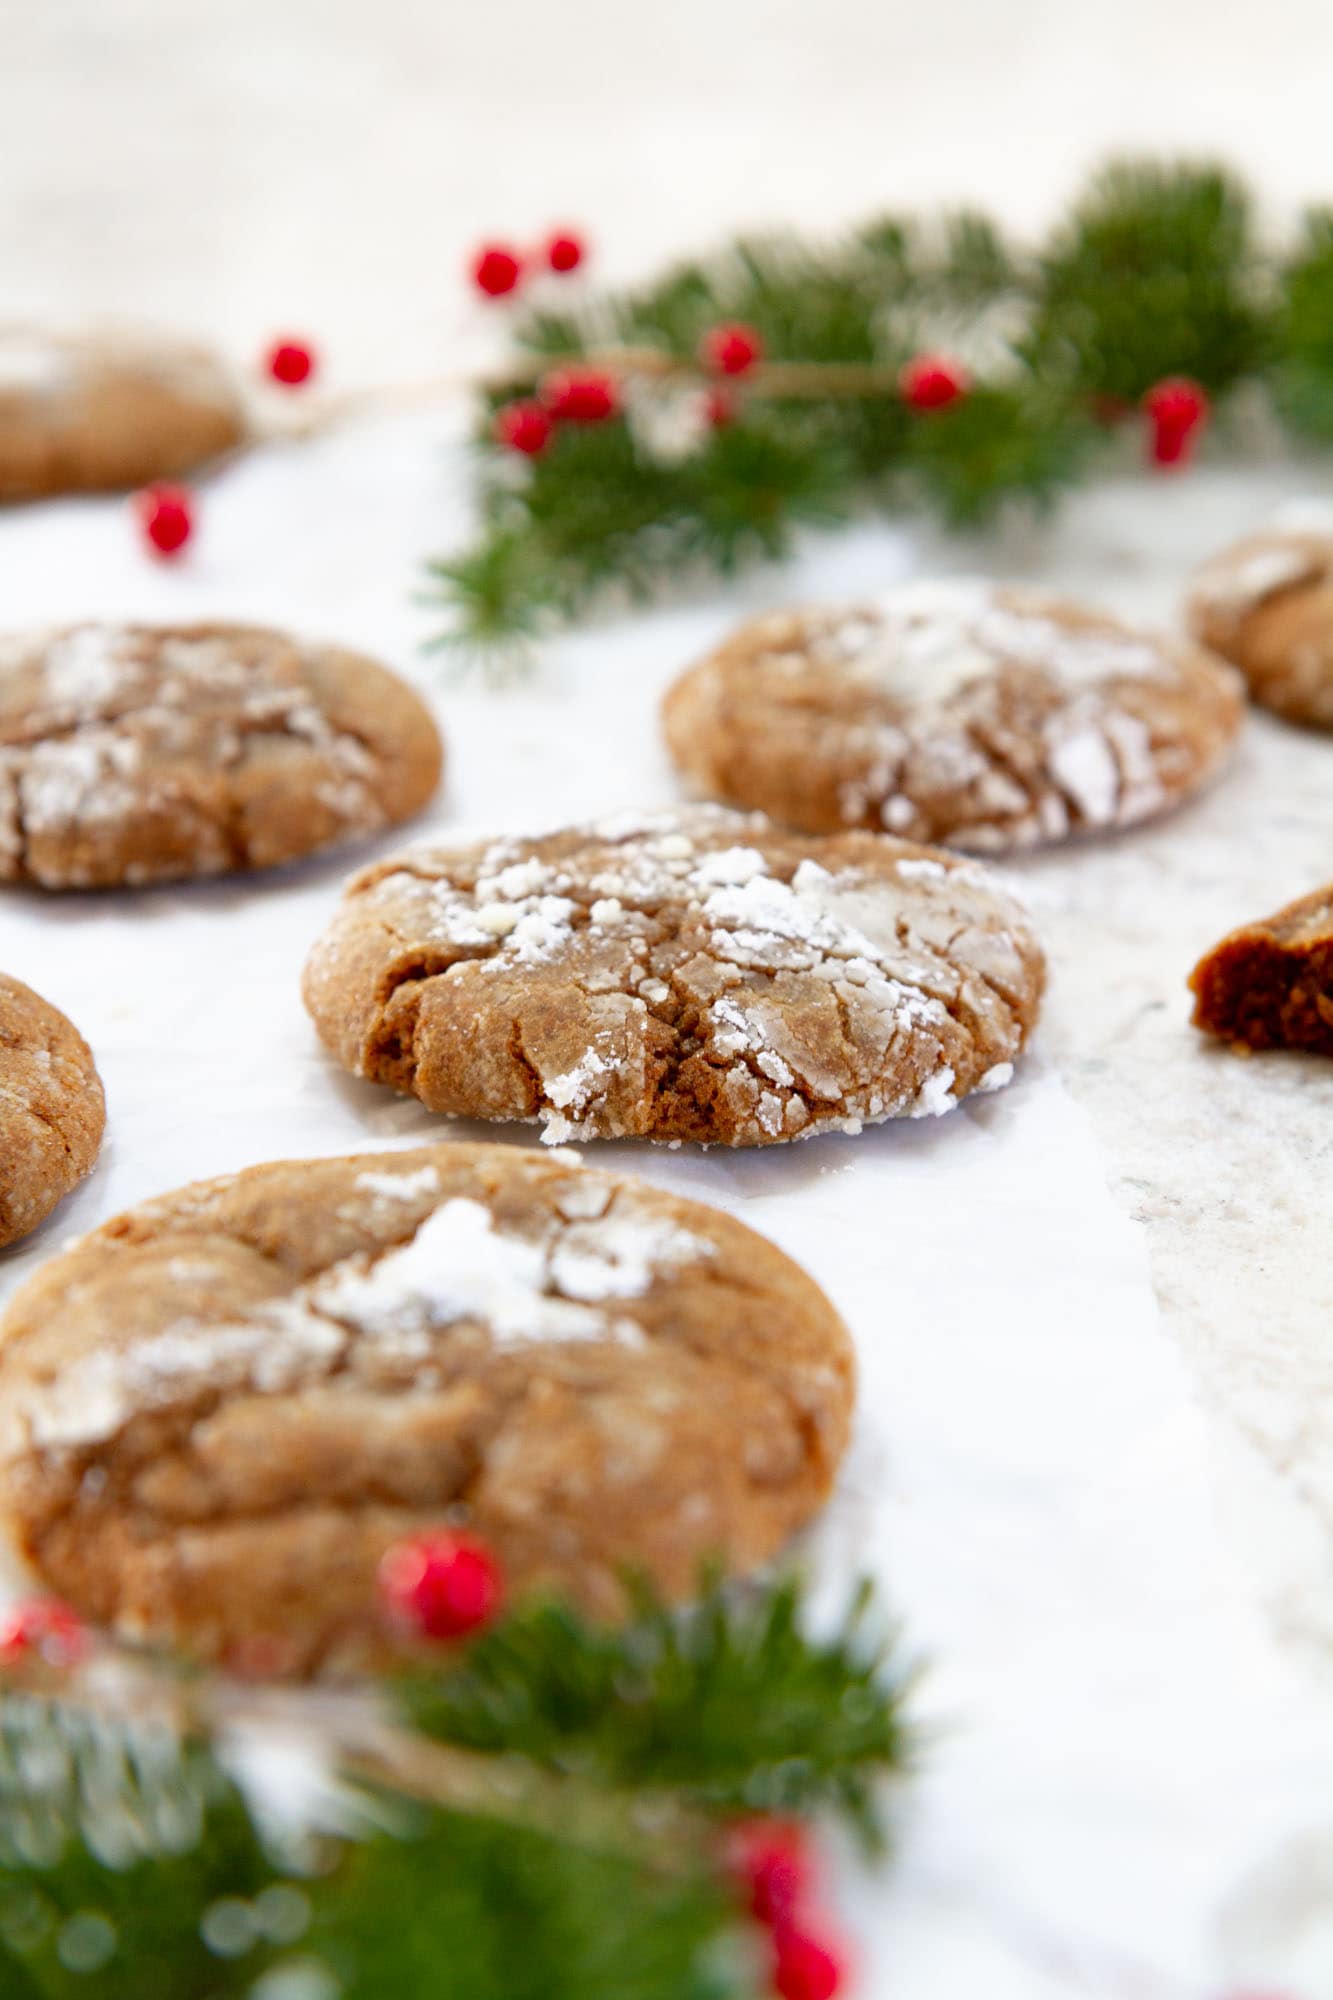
554,1811
699,422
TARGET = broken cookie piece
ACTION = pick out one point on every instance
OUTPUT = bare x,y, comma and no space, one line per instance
1269,985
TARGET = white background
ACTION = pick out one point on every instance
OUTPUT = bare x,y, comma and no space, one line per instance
1094,1467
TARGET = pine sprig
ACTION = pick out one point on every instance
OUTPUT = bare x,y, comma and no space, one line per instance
1304,371
731,1703
133,1863
1157,272
205,1905
118,1841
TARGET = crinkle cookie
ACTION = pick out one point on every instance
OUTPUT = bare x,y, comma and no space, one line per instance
220,1410
52,1111
1269,985
697,974
99,415
1267,604
131,753
960,711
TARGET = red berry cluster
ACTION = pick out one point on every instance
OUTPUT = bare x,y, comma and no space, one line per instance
565,396
440,1586
1177,410
769,1862
591,396
500,268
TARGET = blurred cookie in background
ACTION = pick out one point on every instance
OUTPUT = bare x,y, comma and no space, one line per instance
95,415
1266,603
957,710
52,1110
139,753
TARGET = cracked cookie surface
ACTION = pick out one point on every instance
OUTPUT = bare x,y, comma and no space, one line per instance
218,1411
961,711
133,754
101,415
689,975
52,1111
1267,605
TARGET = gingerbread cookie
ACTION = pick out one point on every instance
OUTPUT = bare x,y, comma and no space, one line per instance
1269,985
220,1410
957,711
82,416
133,754
1267,605
691,975
52,1111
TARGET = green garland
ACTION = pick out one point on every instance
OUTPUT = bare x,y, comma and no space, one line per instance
1158,271
540,1817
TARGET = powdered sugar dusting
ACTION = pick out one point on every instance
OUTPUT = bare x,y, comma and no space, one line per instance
1236,583
560,1284
104,728
930,711
1085,766
705,933
399,1186
31,366
86,666
927,641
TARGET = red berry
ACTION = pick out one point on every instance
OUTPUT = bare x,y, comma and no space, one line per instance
803,1968
290,362
525,427
166,517
932,382
731,349
496,270
720,409
44,1628
770,1862
1177,411
580,395
565,252
441,1586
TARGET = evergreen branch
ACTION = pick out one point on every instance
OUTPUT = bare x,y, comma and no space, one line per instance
730,1703
133,1865
1304,371
1156,272
542,1819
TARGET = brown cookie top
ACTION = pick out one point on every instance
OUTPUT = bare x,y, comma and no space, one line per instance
696,974
92,415
957,710
1269,985
1267,604
52,1111
219,1411
133,753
